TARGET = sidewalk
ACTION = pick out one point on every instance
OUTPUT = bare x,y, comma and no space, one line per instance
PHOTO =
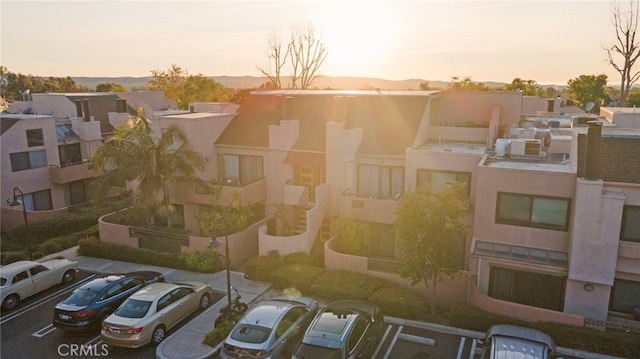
185,342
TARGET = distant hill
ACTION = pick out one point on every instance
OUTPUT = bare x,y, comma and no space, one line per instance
322,82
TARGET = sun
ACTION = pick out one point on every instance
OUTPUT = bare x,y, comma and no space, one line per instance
357,36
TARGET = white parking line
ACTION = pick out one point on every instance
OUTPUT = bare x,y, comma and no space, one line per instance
100,269
393,342
41,300
417,339
473,349
384,337
169,272
461,347
94,341
44,331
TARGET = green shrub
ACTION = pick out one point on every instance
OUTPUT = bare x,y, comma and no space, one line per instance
218,334
14,256
296,276
468,317
261,267
92,247
400,302
304,258
205,262
342,284
50,247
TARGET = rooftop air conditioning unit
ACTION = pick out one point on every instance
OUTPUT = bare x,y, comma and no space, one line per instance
526,147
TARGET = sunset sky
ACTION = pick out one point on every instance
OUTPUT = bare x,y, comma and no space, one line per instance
546,41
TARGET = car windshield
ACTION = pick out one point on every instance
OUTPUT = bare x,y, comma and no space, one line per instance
80,297
313,351
132,308
253,334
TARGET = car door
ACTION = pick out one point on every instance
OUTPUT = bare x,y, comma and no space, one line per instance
42,278
289,331
358,344
22,284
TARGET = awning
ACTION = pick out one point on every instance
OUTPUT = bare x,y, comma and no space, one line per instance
306,159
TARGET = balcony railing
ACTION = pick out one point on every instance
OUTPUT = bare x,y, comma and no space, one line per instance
71,172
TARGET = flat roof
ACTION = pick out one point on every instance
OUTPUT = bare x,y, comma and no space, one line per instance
454,147
552,163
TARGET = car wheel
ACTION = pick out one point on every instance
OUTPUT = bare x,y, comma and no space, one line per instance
10,302
68,276
204,301
158,335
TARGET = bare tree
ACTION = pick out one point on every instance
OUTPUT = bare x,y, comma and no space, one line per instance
307,53
626,46
276,60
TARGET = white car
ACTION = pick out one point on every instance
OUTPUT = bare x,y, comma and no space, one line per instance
23,279
147,315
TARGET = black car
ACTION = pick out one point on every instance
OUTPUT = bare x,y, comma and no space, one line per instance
343,329
88,305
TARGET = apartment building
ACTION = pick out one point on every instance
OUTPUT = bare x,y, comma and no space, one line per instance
46,145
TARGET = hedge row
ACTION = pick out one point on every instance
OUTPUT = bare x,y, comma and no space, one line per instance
620,344
194,261
293,273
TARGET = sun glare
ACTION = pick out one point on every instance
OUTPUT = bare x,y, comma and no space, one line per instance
357,36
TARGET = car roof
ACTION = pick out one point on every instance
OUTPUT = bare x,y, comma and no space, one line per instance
267,313
99,283
330,326
518,332
154,290
356,306
15,267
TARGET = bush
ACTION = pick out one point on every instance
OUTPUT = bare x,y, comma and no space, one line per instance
50,247
10,257
92,247
296,276
304,258
400,302
217,335
342,284
468,317
261,267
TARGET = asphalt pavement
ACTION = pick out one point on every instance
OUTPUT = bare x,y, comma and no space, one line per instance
186,342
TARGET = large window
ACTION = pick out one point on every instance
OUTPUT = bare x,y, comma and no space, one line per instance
624,295
528,288
37,201
533,211
21,161
437,180
630,230
242,169
380,181
35,137
77,192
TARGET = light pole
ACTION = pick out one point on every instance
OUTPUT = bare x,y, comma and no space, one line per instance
17,202
215,243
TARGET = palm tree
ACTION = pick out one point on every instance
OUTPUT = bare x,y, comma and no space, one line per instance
134,154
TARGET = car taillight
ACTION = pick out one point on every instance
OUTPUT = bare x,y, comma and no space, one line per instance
83,313
263,353
134,330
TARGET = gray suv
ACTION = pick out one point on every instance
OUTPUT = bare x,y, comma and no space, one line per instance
510,341
343,329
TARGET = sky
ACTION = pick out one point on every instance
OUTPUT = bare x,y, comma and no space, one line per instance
549,42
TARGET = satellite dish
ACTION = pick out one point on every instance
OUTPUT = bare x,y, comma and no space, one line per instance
589,107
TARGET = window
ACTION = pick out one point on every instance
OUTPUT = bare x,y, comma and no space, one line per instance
437,180
77,192
38,201
21,161
69,154
38,269
20,276
380,181
624,295
630,230
35,137
358,331
289,320
241,169
113,291
528,288
533,211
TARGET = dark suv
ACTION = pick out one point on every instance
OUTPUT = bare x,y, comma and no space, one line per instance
343,329
89,304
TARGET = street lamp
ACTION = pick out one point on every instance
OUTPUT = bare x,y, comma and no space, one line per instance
215,243
16,202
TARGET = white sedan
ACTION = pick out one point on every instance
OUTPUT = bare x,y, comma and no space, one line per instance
23,279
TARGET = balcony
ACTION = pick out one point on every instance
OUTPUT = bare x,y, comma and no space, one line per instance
71,173
369,208
251,193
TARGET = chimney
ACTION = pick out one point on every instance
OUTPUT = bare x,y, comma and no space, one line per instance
86,110
550,103
79,108
592,156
